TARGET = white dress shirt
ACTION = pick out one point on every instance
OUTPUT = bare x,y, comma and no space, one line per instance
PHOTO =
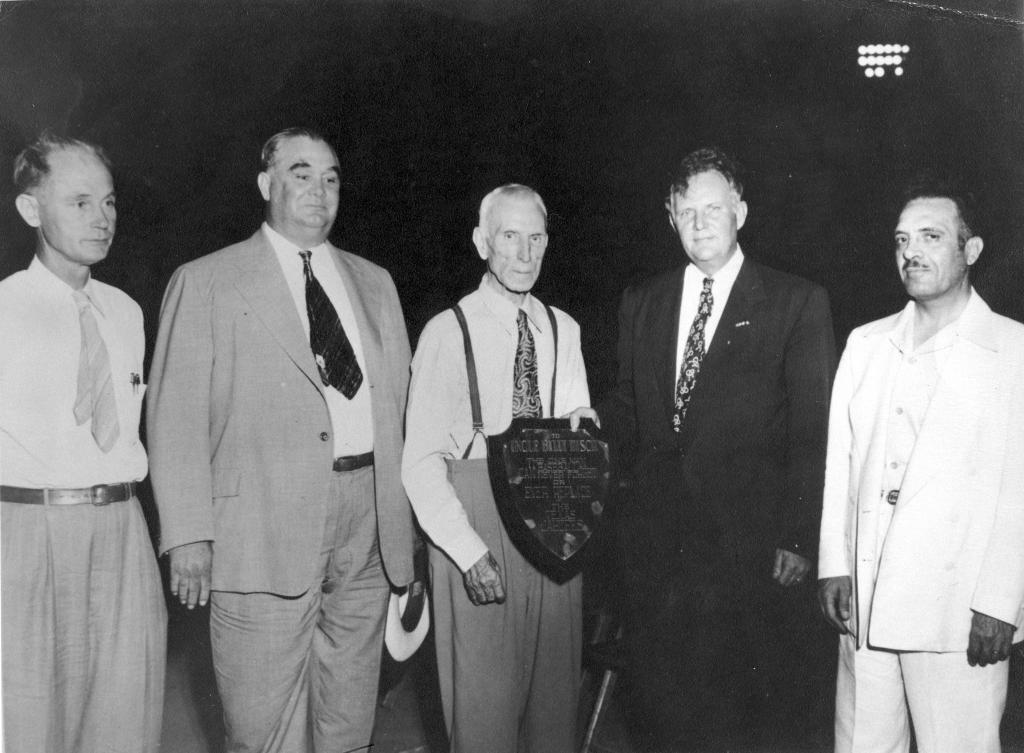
439,423
352,420
693,282
41,443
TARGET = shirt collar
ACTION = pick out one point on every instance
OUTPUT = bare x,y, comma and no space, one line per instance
971,325
284,248
724,277
507,312
46,281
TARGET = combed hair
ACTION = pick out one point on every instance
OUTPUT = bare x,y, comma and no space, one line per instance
513,190
934,185
701,161
270,147
32,165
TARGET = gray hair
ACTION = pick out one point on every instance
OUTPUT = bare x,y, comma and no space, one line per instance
511,190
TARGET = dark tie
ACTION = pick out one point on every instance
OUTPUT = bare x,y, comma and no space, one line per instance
95,398
693,355
332,350
525,394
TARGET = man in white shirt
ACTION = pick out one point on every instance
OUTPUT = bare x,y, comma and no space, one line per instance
508,638
84,622
922,533
275,429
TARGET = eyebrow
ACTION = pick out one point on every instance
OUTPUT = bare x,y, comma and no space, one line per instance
302,164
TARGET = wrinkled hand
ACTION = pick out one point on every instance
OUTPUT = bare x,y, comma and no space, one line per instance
190,572
790,568
579,414
990,640
483,581
834,600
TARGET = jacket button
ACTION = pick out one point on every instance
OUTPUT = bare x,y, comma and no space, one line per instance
324,436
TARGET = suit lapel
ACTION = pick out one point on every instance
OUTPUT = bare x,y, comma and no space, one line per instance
364,297
664,332
739,320
261,282
968,372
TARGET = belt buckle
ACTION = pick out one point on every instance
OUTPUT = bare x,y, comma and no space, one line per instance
100,495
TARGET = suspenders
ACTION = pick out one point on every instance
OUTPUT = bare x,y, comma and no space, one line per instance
474,390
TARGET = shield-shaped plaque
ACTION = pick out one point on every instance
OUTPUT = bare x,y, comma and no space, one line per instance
550,484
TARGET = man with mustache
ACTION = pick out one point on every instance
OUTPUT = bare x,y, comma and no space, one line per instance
921,565
275,427
84,621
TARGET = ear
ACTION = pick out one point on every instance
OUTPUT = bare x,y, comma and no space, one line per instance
28,208
741,213
972,249
480,241
263,181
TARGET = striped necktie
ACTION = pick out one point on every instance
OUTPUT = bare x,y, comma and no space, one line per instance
95,398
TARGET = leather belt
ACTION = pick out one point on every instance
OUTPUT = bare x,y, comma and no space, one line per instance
99,495
353,462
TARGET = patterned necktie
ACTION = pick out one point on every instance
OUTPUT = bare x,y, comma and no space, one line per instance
95,397
525,394
332,351
692,356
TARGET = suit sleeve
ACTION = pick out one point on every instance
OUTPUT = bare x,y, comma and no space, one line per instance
618,409
832,560
178,414
999,591
809,364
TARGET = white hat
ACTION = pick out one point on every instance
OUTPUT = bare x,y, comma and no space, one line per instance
401,641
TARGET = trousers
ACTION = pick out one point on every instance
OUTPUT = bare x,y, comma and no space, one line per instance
300,675
509,673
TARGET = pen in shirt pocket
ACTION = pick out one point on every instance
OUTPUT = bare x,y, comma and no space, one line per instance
135,380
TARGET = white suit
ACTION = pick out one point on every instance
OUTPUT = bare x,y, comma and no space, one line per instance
955,542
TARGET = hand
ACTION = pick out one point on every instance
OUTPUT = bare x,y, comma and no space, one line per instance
483,582
834,599
790,568
990,640
579,414
190,572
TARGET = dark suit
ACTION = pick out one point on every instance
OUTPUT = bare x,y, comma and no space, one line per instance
710,505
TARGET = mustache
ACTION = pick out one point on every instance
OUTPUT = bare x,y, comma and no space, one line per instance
912,264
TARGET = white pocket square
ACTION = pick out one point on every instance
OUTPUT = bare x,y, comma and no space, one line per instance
744,323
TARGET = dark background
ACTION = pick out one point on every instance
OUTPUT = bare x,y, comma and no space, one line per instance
432,104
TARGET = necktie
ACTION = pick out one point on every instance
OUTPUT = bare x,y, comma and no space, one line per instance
693,355
331,348
95,398
525,394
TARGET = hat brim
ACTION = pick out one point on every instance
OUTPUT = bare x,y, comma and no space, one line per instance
402,643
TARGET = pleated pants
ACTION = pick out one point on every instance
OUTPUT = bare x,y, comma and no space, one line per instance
509,673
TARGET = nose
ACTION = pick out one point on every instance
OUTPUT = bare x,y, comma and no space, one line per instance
911,250
699,220
524,251
104,216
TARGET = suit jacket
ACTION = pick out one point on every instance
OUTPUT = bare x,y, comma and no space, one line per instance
745,474
240,438
956,539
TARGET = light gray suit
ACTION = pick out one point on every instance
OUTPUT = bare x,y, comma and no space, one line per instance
241,448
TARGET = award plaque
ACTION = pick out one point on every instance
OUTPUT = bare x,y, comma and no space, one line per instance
550,484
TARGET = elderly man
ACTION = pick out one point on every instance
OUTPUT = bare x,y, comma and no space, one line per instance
508,638
84,622
725,367
275,425
922,534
